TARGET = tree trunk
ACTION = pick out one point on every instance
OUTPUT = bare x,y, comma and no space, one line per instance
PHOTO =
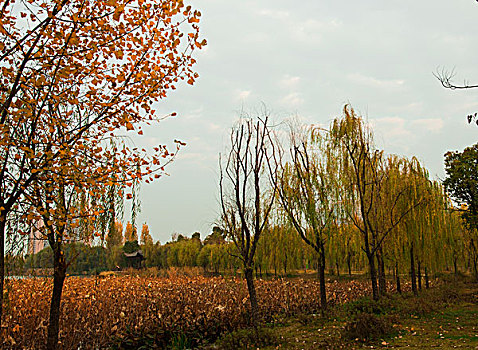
412,272
349,258
2,263
338,269
419,275
382,285
252,295
285,265
373,275
427,282
371,264
321,272
58,281
455,265
475,267
397,276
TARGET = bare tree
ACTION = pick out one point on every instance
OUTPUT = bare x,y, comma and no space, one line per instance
248,181
445,77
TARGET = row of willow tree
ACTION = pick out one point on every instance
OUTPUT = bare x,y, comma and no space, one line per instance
334,191
316,198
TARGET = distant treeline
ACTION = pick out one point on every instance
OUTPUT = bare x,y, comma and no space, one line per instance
281,252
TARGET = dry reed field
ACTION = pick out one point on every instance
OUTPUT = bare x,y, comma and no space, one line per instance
95,311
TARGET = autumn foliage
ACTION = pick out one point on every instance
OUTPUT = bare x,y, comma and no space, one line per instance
74,72
97,312
73,75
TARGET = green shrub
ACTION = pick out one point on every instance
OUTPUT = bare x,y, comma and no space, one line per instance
369,306
448,293
366,326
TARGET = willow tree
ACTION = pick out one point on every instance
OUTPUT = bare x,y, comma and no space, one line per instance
372,196
280,249
247,185
344,248
309,194
407,238
404,189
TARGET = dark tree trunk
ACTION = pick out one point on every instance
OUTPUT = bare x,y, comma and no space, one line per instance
349,262
260,271
397,276
373,273
382,285
427,282
371,264
412,272
419,275
321,270
475,267
2,263
373,278
338,269
285,265
455,265
59,266
252,295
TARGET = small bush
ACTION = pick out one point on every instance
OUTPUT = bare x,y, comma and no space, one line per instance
248,339
305,319
366,326
369,306
448,293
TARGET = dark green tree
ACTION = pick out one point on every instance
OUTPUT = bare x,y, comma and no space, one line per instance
461,182
131,247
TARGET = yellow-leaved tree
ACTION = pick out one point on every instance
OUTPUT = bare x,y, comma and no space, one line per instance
74,73
145,235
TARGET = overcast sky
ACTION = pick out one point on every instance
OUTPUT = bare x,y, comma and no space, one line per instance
309,58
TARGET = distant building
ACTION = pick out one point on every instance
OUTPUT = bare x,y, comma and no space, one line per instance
36,242
135,259
37,239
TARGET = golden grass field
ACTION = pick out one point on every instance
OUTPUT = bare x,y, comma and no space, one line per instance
97,310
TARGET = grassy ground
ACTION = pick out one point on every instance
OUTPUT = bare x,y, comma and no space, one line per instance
445,317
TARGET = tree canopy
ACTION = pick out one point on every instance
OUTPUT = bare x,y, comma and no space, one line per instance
461,181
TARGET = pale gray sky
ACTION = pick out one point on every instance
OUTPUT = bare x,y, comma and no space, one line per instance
310,58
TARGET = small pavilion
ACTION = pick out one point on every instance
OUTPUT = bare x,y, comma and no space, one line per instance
135,259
